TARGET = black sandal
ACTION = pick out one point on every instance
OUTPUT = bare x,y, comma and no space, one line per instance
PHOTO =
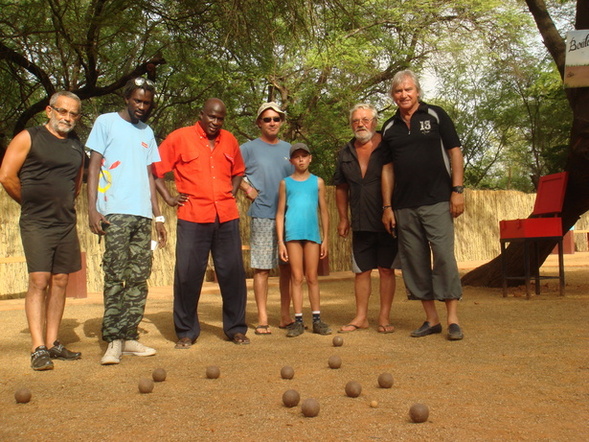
263,330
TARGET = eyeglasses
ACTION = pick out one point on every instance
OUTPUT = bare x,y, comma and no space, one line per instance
268,119
140,81
64,112
364,121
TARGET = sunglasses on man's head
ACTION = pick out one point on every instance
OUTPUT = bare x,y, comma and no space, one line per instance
268,119
140,81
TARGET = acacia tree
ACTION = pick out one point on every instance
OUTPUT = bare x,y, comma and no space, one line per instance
88,47
315,58
506,98
576,201
346,52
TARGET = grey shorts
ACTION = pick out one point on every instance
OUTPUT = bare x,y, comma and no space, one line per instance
263,244
426,243
54,250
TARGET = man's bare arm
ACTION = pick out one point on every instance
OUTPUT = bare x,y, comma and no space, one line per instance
14,158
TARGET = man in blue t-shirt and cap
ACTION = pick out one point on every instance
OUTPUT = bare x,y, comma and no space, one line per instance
266,164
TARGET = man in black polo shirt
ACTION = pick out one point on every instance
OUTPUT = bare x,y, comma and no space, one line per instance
358,187
424,178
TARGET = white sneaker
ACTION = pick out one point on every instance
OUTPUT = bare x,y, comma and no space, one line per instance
136,348
113,353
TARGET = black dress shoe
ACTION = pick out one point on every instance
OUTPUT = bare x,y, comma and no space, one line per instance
425,330
455,333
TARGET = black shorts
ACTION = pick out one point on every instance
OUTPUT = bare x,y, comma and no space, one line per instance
54,250
371,250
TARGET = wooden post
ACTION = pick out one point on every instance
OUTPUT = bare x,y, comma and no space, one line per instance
76,286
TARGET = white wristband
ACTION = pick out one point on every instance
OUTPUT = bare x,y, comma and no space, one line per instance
160,219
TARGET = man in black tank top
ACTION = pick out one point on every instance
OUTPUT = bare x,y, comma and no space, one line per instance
42,171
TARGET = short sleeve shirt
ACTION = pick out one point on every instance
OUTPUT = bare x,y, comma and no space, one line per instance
203,174
127,149
365,193
419,156
265,166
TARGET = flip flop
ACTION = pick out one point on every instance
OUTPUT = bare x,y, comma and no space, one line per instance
354,328
389,328
263,330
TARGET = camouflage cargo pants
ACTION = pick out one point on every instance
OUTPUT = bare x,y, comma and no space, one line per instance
127,266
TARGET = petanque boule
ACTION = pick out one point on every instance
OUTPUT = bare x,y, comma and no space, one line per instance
145,385
337,341
291,398
419,413
334,361
353,389
287,372
213,372
310,407
385,380
22,395
159,375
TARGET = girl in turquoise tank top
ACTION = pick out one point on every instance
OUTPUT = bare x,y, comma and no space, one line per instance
301,202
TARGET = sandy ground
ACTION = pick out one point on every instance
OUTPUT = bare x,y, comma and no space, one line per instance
521,373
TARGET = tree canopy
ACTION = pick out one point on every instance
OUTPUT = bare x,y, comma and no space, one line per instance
316,59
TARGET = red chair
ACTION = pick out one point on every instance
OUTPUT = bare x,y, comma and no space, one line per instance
545,223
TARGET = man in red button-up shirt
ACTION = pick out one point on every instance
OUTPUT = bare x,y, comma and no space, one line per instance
208,169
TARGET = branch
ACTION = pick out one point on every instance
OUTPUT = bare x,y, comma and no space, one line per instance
90,90
61,30
29,113
11,55
95,12
552,39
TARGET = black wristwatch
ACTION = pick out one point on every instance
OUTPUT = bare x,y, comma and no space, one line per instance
458,189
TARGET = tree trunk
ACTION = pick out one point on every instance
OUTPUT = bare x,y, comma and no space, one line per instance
576,201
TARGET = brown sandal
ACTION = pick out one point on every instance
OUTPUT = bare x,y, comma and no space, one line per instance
184,343
240,339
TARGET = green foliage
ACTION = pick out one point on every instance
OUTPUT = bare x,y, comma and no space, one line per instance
507,100
317,59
